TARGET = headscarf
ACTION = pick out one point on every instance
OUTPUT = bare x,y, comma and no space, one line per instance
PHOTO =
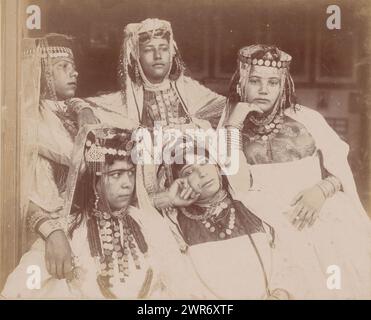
130,70
53,48
35,81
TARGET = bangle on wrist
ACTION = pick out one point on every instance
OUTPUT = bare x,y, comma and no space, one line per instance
327,188
234,140
47,227
330,187
335,182
322,190
35,218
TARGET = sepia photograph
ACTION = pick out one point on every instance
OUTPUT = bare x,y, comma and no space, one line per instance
185,150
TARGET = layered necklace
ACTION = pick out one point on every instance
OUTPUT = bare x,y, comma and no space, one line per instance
165,106
213,225
212,215
117,244
266,127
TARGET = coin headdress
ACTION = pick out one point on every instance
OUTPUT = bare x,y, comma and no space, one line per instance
51,49
95,147
264,56
102,147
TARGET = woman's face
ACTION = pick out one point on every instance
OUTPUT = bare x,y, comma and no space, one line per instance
118,184
65,78
263,87
202,177
154,57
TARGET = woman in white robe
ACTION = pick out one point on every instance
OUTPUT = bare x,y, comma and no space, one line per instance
235,254
300,174
119,251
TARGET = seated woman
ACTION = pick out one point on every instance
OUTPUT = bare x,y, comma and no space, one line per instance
49,124
230,248
118,249
299,171
156,92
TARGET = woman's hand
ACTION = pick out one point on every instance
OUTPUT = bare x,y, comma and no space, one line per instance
308,204
181,193
240,112
58,255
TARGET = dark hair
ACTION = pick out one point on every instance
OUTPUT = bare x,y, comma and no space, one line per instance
84,195
177,167
83,199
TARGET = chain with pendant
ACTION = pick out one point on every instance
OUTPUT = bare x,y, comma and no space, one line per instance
264,132
214,213
118,243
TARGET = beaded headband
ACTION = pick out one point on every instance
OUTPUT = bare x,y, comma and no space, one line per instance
52,52
245,56
97,150
96,153
58,52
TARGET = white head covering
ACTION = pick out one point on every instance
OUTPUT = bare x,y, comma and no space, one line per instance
130,70
37,57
